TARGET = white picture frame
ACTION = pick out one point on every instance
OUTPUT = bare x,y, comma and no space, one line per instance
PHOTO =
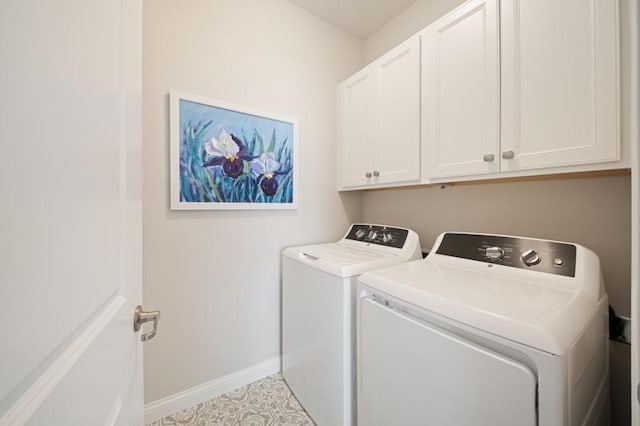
230,157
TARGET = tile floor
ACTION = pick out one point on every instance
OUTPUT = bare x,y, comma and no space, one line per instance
267,402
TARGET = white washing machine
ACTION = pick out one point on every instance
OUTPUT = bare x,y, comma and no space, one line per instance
487,330
318,314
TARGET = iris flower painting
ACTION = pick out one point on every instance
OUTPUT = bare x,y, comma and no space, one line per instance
230,157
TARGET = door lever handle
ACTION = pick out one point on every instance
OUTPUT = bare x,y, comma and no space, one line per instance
140,317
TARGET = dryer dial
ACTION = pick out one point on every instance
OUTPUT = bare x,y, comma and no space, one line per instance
494,253
530,257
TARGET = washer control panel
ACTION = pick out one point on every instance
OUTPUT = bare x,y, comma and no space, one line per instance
378,234
537,255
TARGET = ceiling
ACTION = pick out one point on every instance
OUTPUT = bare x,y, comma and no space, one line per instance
360,18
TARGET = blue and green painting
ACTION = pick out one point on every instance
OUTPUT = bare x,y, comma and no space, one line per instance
229,156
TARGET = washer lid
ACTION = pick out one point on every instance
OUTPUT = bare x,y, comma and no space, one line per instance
343,255
532,308
346,260
365,247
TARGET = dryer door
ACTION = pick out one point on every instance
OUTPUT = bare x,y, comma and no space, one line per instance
412,373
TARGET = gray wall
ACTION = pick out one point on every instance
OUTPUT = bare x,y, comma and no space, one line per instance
215,274
594,212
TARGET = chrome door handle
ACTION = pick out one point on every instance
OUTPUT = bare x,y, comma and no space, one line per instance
367,175
488,158
376,173
508,155
140,317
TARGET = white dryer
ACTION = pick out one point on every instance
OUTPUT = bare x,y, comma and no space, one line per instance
318,314
487,330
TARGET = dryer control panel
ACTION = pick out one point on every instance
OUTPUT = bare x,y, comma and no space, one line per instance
538,255
378,234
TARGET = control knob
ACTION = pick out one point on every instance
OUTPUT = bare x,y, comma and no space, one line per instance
387,237
530,258
494,253
359,234
372,235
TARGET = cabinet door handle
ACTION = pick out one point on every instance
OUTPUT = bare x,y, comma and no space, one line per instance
488,158
376,173
367,175
508,155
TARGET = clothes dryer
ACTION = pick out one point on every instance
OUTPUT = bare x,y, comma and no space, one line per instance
487,330
318,314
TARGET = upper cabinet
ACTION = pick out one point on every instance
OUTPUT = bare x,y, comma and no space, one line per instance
461,91
354,123
495,88
379,120
559,82
536,88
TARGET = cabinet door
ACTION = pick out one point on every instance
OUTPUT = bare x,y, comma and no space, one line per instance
559,82
460,94
356,104
397,114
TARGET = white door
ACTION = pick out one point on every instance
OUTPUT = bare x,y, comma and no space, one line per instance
461,92
70,218
356,144
397,114
559,83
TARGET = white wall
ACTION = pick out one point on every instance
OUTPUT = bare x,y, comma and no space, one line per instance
595,212
417,16
420,14
215,274
463,210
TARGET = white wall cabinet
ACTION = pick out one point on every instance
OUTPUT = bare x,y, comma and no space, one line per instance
536,88
379,120
559,83
461,91
354,122
495,88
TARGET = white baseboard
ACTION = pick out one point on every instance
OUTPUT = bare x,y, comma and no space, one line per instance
177,402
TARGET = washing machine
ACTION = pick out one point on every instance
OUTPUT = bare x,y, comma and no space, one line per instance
487,330
318,314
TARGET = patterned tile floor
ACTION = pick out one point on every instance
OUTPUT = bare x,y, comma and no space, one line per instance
267,402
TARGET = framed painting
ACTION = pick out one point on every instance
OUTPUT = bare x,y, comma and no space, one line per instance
226,156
